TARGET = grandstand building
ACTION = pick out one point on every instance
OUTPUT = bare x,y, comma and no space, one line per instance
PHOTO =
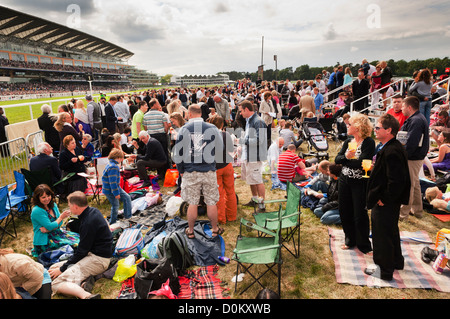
199,80
38,55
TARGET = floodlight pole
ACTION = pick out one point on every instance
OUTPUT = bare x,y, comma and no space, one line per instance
90,86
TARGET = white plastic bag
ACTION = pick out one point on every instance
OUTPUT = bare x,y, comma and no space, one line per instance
173,205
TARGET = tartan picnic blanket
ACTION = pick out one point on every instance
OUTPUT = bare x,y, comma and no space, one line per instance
350,264
202,283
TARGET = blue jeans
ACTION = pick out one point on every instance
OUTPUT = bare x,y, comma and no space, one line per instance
331,217
126,199
425,109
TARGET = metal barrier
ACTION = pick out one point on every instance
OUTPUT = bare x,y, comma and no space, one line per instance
32,141
16,154
13,156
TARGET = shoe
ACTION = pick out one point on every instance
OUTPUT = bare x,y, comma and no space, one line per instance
88,284
251,203
96,296
146,184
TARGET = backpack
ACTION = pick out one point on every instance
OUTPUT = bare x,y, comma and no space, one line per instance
130,242
174,247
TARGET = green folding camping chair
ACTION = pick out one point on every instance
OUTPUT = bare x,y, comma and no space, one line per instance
290,219
35,178
255,251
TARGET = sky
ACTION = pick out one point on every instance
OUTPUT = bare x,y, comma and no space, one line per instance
193,37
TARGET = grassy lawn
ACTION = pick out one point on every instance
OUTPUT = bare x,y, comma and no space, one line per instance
311,276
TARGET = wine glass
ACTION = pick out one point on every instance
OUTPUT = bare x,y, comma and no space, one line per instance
366,165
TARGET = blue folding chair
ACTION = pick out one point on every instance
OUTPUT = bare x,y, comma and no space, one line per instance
18,198
6,216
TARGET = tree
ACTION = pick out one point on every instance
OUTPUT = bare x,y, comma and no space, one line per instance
166,79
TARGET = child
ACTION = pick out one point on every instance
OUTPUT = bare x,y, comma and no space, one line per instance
322,180
327,209
111,186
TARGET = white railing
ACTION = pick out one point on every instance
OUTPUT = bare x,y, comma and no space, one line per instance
448,89
376,91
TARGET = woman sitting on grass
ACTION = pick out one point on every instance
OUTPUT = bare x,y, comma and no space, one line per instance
47,221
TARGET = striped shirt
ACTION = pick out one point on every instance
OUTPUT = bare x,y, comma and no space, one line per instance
154,122
287,162
111,178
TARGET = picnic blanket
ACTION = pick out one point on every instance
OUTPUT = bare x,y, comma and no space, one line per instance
152,214
350,264
202,283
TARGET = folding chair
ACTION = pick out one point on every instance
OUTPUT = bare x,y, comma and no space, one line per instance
254,251
6,216
35,178
290,219
18,198
95,183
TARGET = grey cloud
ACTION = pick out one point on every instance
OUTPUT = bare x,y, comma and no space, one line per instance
129,29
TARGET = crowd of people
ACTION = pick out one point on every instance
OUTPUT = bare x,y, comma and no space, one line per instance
204,132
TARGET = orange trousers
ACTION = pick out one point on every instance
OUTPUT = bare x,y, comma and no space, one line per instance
227,204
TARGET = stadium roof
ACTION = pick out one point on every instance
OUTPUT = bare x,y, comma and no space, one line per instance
46,33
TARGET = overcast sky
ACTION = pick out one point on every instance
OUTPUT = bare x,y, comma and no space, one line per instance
208,36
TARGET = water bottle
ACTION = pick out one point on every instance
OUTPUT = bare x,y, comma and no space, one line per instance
226,260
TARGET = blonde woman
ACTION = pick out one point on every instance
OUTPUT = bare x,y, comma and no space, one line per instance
352,184
80,116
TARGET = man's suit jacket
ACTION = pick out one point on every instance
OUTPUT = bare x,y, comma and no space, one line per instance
111,118
42,161
389,180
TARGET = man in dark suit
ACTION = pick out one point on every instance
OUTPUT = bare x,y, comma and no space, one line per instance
360,88
46,122
388,188
110,114
44,160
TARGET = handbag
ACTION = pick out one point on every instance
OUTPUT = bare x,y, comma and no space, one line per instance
151,274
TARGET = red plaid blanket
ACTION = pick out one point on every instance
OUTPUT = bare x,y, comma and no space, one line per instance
202,283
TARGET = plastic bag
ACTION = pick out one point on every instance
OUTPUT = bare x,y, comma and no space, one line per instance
126,268
173,205
171,177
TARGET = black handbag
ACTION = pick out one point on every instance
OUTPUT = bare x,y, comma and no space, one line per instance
151,274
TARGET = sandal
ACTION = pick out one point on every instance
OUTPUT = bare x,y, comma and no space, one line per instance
219,231
188,234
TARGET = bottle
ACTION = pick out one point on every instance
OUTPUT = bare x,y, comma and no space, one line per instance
226,260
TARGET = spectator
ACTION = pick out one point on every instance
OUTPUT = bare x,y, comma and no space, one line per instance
254,151
122,112
87,148
352,185
417,143
71,160
47,221
292,168
43,160
64,127
197,167
111,115
81,117
388,188
396,110
421,88
111,186
92,256
360,89
46,123
328,208
137,124
25,273
154,157
227,204
94,115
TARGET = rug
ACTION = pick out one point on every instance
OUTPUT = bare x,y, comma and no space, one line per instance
151,215
350,265
202,283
